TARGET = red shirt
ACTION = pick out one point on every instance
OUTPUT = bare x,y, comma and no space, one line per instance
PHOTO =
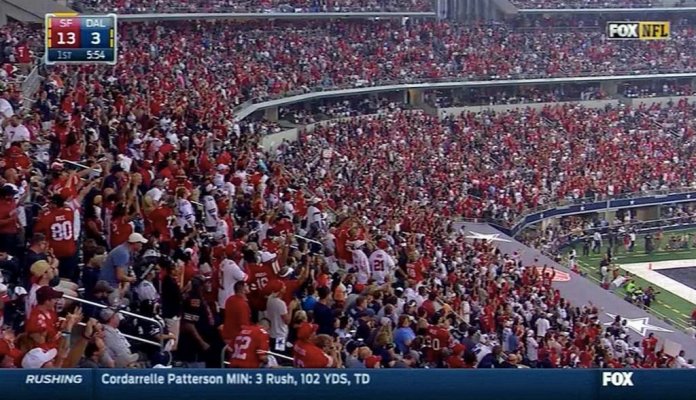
291,286
237,315
284,226
246,347
455,362
585,359
259,275
23,56
44,321
415,271
58,224
16,158
307,355
158,220
8,227
437,339
649,344
121,228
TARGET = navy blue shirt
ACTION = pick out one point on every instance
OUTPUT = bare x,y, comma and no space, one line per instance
323,316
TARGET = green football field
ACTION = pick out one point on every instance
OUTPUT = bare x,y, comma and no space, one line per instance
668,306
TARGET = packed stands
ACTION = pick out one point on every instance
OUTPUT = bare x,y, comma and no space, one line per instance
264,63
134,188
562,4
235,6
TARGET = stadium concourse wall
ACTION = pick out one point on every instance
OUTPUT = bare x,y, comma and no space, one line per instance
576,11
657,100
413,92
454,111
272,15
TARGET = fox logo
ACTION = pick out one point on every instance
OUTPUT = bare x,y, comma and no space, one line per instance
618,379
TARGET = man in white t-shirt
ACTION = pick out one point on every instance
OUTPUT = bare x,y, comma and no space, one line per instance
230,274
16,132
279,316
542,325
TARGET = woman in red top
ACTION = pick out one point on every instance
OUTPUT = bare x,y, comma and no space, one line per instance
120,227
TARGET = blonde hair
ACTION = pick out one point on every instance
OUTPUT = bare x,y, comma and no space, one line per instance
300,316
384,335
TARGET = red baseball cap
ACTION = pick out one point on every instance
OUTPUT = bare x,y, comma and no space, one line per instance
306,330
275,286
46,293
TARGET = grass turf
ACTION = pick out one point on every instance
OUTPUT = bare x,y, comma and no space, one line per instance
668,306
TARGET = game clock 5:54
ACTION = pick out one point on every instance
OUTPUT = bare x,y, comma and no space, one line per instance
96,55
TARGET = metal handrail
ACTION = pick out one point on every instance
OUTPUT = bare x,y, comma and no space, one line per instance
124,312
223,363
130,337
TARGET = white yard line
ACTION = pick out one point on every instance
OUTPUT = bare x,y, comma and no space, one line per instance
653,276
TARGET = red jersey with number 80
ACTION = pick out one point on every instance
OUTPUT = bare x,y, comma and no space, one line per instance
248,346
436,340
58,225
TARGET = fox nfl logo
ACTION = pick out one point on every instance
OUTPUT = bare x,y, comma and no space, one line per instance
643,30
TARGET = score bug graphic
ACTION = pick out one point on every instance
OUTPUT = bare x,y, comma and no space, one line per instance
77,39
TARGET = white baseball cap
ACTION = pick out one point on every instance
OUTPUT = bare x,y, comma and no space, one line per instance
136,238
36,358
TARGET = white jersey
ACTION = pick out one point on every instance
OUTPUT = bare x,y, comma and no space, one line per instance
362,264
185,217
18,133
313,215
222,230
210,209
230,274
382,265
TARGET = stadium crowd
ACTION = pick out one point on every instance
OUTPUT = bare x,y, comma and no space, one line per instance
272,60
562,4
236,6
336,250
